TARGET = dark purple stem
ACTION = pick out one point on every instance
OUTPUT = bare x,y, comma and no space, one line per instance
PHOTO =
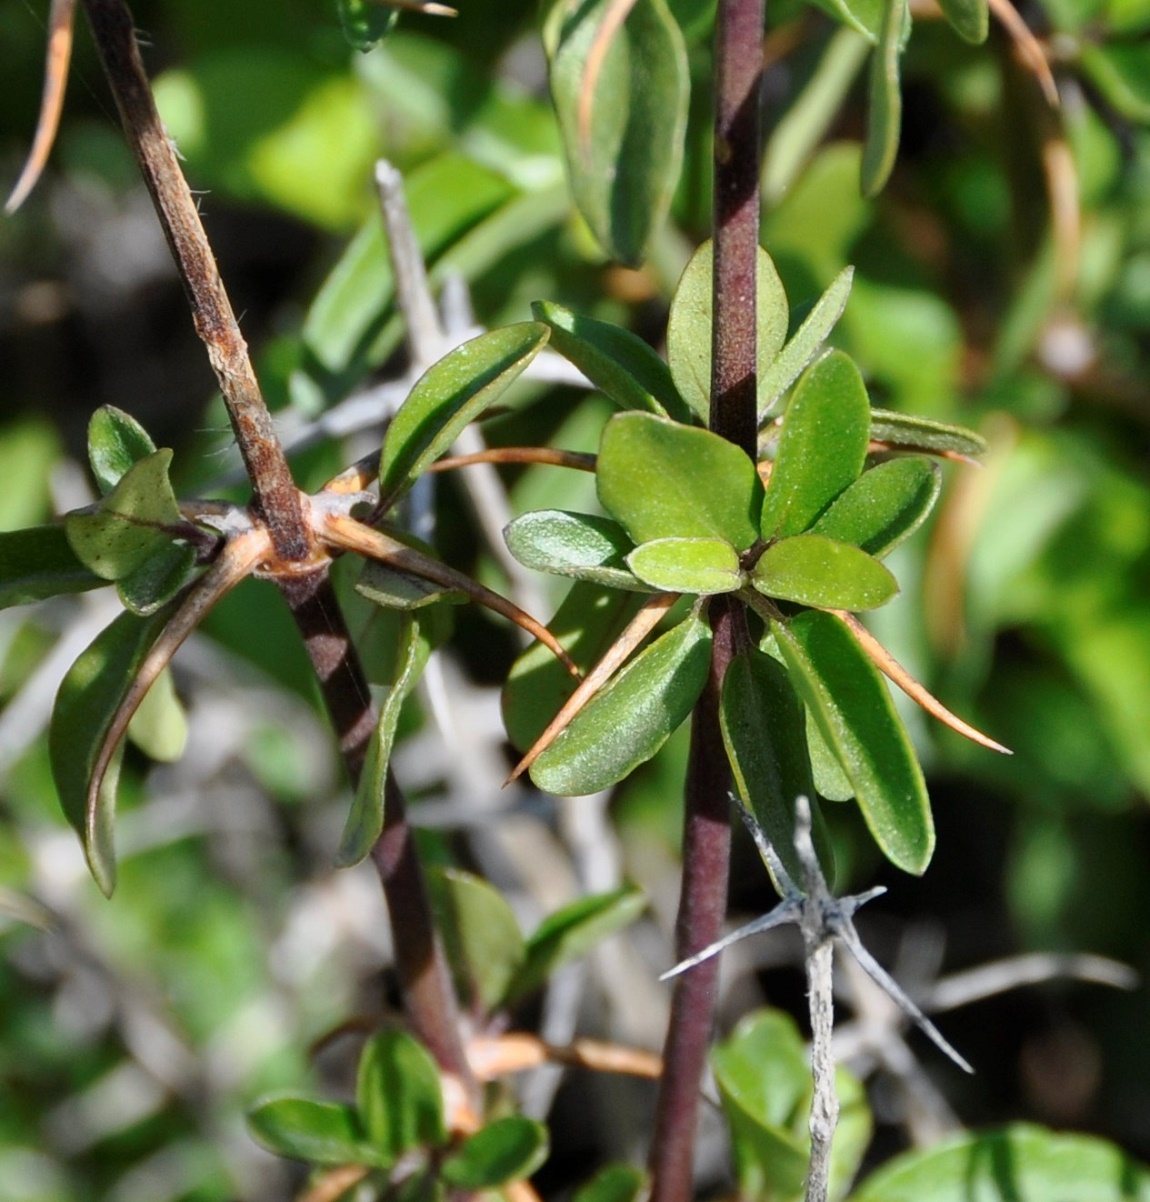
425,985
706,831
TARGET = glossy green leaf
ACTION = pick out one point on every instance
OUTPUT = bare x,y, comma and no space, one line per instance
507,1149
586,624
158,579
116,441
89,696
451,394
1121,72
132,524
906,432
572,932
856,716
344,328
632,717
884,101
365,819
619,363
39,562
823,446
807,124
615,1183
764,1083
159,728
665,480
395,589
805,343
582,545
399,1095
763,730
622,127
323,1133
863,16
689,327
883,506
366,22
688,565
811,569
970,19
830,779
1010,1164
480,936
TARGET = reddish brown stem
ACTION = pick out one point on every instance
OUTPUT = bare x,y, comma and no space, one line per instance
706,831
276,496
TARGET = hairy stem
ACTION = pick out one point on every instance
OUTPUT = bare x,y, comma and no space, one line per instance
702,906
427,990
706,832
276,496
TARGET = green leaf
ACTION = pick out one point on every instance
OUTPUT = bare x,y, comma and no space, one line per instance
764,1084
451,394
507,1149
159,728
324,1133
855,715
395,589
480,935
632,717
586,624
863,16
446,197
830,779
688,565
86,704
617,362
884,101
365,819
763,730
814,570
623,136
572,932
1016,1162
970,19
365,24
582,545
665,480
116,441
823,446
39,562
158,579
689,327
883,506
615,1183
133,522
399,1095
1121,72
805,343
905,432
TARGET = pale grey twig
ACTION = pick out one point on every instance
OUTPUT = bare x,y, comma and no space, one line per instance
821,917
960,989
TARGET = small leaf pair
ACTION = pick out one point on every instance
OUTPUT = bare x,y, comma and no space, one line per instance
398,1117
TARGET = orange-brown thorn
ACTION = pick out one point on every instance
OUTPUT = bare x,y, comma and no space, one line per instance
503,1054
347,534
60,25
635,632
1029,49
236,561
577,460
893,670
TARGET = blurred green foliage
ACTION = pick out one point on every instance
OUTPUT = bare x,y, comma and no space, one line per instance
134,1035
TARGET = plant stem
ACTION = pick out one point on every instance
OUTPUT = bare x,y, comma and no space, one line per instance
702,907
426,985
706,830
276,495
